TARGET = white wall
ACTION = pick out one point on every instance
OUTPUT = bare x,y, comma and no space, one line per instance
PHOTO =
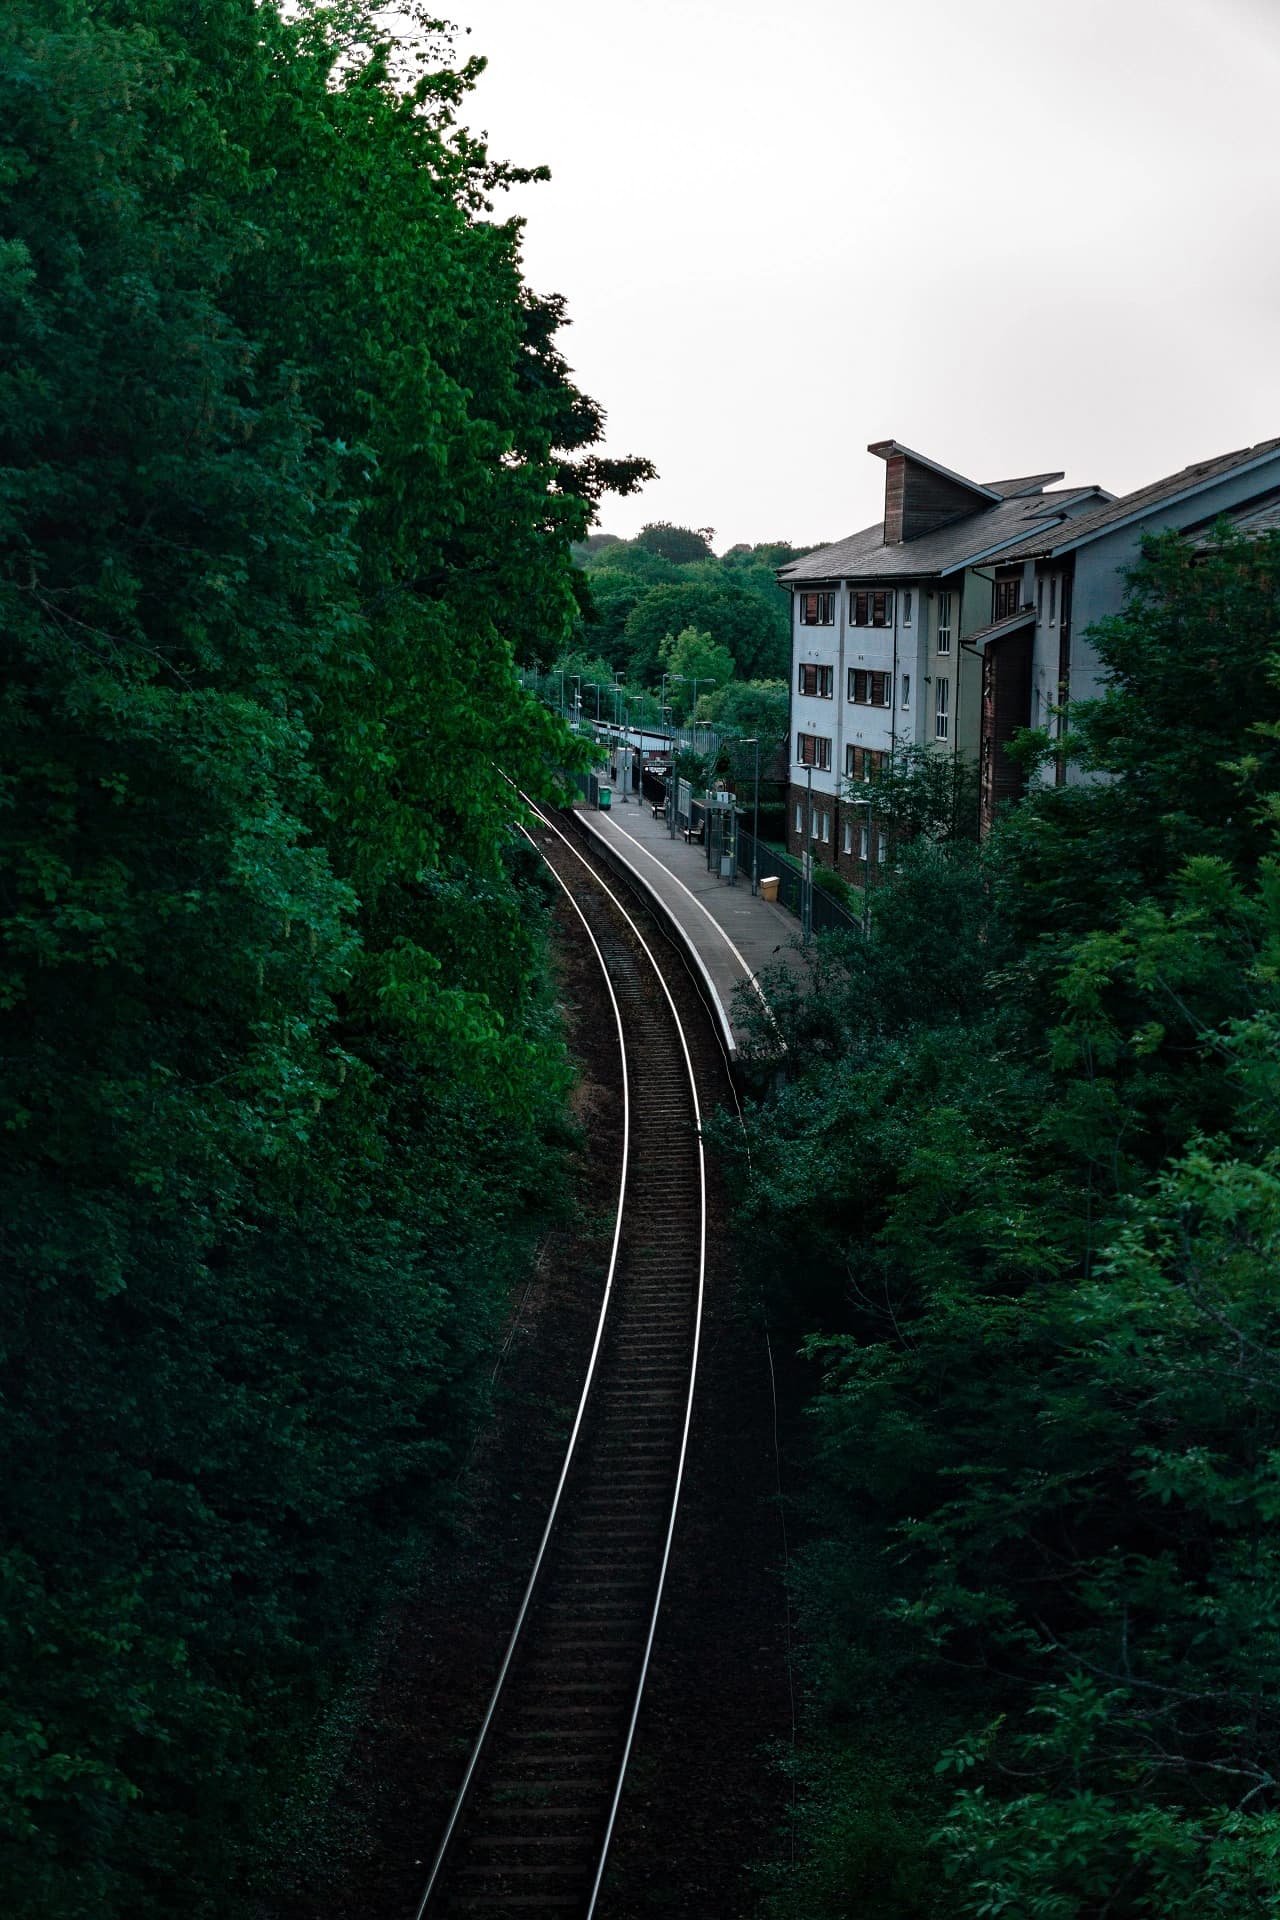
822,646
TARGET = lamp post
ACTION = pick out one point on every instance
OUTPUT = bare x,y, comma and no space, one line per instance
697,680
665,678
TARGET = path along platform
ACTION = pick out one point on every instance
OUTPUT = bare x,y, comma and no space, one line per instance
733,933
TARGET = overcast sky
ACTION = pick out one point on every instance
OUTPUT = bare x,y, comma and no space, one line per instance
1014,235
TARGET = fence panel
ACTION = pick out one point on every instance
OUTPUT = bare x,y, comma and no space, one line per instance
829,916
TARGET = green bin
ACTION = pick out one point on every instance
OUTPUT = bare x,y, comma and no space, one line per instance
605,799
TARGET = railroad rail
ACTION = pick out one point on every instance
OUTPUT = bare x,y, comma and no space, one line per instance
530,1828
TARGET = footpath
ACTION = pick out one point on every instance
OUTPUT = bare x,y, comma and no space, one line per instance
733,933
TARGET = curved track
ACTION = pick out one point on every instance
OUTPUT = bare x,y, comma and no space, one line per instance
530,1828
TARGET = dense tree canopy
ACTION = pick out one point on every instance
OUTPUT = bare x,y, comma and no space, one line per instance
1021,1188
676,543
291,468
639,591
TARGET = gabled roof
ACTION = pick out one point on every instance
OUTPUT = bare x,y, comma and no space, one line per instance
885,450
1018,489
865,555
1254,518
1184,484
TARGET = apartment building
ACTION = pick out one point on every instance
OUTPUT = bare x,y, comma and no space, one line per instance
1063,576
964,615
881,624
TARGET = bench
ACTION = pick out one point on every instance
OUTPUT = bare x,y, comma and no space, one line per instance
658,810
692,833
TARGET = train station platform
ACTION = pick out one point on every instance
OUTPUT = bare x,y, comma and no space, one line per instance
733,933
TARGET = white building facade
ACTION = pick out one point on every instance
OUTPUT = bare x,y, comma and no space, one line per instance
880,656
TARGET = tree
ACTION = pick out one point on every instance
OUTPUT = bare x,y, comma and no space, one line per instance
917,791
688,655
754,634
1018,1178
293,468
676,543
757,707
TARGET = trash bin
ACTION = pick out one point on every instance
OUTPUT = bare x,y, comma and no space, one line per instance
769,887
604,799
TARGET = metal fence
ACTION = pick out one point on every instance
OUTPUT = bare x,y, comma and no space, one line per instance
829,916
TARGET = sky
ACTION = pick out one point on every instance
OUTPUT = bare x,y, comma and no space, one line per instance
1015,236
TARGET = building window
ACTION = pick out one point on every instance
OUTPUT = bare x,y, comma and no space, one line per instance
1007,599
824,826
882,848
871,607
862,763
813,751
1039,599
817,609
818,682
1053,600
848,836
944,623
941,708
864,842
908,606
799,816
906,691
868,689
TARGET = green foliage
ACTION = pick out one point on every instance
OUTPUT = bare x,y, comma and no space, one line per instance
918,792
1020,1184
828,881
291,469
636,596
688,656
676,543
754,709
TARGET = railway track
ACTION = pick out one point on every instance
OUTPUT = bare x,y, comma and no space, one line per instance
530,1829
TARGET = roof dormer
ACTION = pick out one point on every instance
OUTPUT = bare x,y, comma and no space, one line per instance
919,495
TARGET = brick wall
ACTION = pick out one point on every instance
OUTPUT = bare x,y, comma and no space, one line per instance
831,853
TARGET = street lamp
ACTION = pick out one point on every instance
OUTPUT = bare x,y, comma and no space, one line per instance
665,678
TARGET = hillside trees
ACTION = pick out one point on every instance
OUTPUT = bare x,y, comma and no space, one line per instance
637,592
1021,1191
291,469
690,658
676,543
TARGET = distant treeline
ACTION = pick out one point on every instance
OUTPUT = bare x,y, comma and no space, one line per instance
290,460
668,579
1020,1189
